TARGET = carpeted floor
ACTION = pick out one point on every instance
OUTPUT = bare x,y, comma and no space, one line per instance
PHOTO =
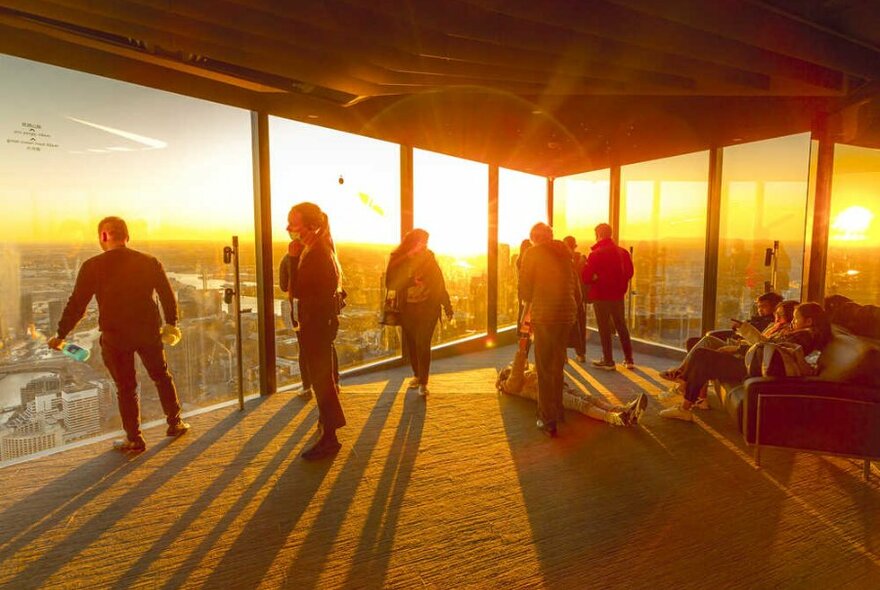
457,491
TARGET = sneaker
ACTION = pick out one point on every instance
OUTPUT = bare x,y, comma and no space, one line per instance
677,413
325,447
638,407
177,429
548,428
629,365
129,446
305,394
672,374
702,404
604,365
581,358
413,383
618,417
423,391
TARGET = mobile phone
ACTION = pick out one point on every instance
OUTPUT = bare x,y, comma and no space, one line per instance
736,321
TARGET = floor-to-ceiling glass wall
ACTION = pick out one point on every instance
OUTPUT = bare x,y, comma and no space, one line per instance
580,203
763,207
663,222
853,268
522,202
356,182
450,201
78,148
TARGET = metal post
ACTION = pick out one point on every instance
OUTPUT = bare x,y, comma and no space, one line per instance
550,188
713,233
238,344
821,220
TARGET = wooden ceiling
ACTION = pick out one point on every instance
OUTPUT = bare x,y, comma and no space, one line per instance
550,87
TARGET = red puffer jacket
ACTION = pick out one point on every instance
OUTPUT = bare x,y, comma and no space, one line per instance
607,272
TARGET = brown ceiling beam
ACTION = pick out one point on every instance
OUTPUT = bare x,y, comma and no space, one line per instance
610,21
387,36
756,25
188,37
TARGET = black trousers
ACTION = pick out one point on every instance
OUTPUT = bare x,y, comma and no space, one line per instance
707,364
610,313
417,323
550,347
317,356
119,359
579,332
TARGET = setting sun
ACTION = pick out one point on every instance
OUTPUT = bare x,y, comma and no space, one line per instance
852,224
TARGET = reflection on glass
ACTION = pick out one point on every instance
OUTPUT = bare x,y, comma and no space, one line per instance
663,221
580,203
854,235
522,202
763,201
356,181
450,201
113,149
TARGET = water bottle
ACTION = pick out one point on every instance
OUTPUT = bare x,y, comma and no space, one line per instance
77,353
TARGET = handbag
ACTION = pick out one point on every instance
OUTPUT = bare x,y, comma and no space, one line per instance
783,359
390,314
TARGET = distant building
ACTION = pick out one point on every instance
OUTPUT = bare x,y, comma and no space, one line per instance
10,291
82,417
19,444
48,384
26,311
56,308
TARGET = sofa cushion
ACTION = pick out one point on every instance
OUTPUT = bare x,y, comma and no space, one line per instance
850,359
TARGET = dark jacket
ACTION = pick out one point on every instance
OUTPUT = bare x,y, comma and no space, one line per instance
124,282
548,282
401,275
607,271
314,282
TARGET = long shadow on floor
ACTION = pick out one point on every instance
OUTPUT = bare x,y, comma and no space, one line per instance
620,507
36,573
249,558
254,445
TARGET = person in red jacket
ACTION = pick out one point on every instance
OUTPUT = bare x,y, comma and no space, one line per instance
606,276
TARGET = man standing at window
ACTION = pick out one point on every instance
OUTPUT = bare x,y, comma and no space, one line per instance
606,274
547,286
123,282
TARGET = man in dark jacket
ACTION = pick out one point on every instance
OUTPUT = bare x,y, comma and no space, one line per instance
606,274
547,285
124,281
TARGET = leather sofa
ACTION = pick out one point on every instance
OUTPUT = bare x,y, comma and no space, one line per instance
836,412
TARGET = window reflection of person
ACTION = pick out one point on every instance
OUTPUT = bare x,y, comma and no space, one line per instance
314,281
415,277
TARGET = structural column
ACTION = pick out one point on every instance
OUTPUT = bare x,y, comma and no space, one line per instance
492,261
263,238
406,189
550,202
821,215
713,231
614,201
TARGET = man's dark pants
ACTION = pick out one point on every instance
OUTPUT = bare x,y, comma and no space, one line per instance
610,313
119,359
707,364
317,353
550,347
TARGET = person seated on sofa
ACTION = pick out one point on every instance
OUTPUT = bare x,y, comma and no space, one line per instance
810,329
783,315
765,305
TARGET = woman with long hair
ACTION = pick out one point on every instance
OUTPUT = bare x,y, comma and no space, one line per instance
314,281
415,277
810,329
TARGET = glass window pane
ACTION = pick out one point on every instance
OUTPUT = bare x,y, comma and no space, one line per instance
522,202
178,170
580,203
763,201
663,221
854,236
356,182
450,201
